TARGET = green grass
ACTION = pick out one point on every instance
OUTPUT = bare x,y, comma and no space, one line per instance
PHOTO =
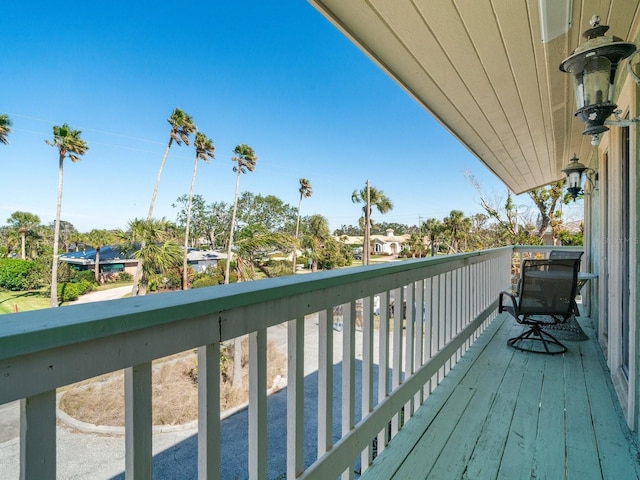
24,301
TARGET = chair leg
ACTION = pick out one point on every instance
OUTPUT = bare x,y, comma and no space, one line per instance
536,333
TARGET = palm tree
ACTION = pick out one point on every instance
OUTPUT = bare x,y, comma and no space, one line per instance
69,144
317,234
5,128
415,245
181,127
458,226
154,245
305,192
432,228
24,223
245,159
370,196
253,245
204,151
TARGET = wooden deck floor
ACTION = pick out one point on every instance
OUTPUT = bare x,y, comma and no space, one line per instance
502,413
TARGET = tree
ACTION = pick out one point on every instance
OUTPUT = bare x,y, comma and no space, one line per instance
324,251
268,211
348,230
305,192
181,127
415,246
245,159
69,144
457,225
370,196
252,249
207,221
24,223
204,151
432,228
316,235
152,242
547,199
5,128
99,238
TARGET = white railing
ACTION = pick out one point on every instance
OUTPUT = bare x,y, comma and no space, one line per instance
448,301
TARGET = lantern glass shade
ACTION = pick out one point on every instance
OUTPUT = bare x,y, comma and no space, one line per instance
574,179
596,88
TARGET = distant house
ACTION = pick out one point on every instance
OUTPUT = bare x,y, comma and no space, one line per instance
387,244
201,260
112,260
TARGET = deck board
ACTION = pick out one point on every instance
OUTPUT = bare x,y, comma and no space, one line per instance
502,413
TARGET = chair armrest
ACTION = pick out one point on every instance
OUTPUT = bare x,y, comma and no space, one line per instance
512,309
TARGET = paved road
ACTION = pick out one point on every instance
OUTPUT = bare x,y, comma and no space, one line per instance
99,456
109,294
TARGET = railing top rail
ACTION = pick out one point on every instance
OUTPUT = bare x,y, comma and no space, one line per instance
546,248
27,332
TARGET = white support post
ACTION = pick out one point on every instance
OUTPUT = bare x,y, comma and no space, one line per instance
258,404
38,437
348,375
325,381
209,412
295,398
138,422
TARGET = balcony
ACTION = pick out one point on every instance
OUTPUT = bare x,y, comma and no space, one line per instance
430,389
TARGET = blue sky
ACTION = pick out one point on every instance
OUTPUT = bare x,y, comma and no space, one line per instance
274,75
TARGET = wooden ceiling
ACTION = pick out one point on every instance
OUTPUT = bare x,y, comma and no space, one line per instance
481,69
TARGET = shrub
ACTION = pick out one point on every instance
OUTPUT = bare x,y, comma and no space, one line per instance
84,275
70,291
125,277
207,281
17,275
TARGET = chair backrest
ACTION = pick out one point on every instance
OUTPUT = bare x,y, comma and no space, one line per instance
555,254
548,287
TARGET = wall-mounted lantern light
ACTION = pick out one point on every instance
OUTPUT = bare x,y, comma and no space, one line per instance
574,172
593,66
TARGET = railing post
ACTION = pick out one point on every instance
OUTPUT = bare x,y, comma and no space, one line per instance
383,362
348,375
38,437
409,334
367,373
258,404
325,377
396,372
295,398
209,412
138,422
418,359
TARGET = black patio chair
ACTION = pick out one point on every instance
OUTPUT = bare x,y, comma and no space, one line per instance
545,297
